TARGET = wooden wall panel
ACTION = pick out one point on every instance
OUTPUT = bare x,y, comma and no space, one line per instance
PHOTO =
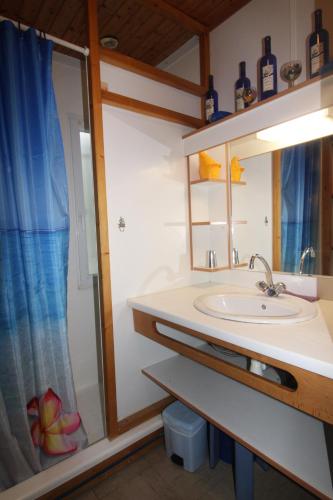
149,30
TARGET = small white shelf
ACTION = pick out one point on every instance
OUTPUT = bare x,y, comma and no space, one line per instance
209,223
290,440
209,269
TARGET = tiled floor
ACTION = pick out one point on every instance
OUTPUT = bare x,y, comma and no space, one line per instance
155,477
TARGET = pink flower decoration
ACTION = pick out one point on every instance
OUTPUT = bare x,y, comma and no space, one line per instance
50,430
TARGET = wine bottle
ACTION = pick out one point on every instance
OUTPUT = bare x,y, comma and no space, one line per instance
212,100
318,46
268,72
241,84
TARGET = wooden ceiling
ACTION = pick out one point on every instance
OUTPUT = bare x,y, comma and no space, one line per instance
145,28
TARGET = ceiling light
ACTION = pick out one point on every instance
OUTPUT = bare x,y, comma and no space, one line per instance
109,42
306,128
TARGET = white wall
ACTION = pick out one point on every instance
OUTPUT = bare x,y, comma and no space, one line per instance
239,38
253,203
146,184
81,315
184,62
129,84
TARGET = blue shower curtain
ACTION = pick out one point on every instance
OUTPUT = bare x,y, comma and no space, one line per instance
300,191
39,423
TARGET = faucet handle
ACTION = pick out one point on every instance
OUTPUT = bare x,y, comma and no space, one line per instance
275,290
262,285
280,288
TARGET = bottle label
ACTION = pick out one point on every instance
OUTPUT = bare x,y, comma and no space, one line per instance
317,57
267,77
240,104
209,108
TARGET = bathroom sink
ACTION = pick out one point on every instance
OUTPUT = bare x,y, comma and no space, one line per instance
248,308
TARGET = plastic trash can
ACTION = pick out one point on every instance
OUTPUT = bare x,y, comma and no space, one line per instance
185,436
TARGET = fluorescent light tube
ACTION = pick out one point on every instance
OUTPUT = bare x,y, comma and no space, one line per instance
306,128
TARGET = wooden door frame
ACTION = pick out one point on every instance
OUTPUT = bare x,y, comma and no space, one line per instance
276,202
113,425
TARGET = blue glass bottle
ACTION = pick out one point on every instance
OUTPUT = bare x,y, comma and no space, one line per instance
268,72
241,84
212,100
318,46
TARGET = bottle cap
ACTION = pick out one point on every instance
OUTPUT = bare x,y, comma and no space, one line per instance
318,18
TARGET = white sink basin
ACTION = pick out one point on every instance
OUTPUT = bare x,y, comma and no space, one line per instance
249,308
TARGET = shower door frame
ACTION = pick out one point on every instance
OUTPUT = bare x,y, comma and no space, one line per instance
113,425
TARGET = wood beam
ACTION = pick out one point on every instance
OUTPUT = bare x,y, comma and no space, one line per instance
101,219
168,10
148,71
145,108
204,69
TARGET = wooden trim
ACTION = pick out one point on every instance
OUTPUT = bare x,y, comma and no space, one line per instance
276,190
314,393
227,160
204,69
190,211
140,68
254,450
204,59
221,181
142,415
107,467
210,269
145,108
210,223
102,220
188,22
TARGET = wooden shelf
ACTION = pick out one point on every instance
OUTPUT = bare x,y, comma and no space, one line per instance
259,104
305,98
238,222
217,181
210,223
243,264
209,269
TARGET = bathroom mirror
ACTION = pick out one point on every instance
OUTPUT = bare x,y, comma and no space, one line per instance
286,204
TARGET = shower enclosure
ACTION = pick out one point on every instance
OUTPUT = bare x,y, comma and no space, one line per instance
51,383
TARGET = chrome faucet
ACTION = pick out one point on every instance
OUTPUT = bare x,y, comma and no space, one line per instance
267,287
306,251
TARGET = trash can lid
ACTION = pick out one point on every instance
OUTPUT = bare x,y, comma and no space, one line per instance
181,418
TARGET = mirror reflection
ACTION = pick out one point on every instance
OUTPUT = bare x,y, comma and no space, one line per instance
286,202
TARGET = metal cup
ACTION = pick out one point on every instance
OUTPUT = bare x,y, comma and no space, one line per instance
211,259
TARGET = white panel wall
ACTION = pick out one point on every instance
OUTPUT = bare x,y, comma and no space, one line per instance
240,39
129,84
253,203
184,62
146,184
81,316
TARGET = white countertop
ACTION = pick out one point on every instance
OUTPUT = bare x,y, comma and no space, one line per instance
308,345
